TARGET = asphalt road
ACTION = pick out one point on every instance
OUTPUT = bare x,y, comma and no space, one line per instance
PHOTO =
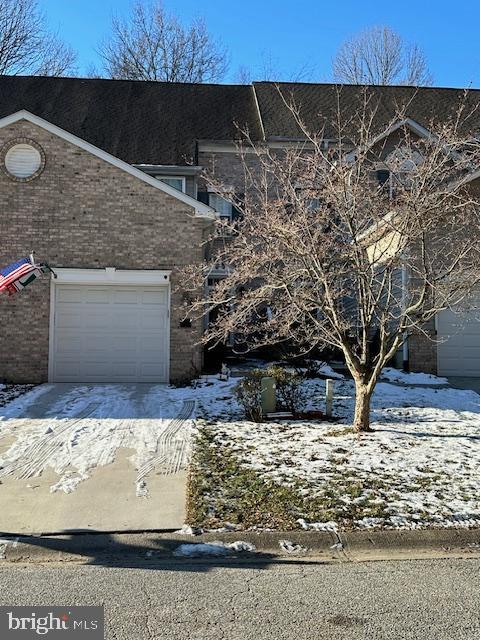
428,600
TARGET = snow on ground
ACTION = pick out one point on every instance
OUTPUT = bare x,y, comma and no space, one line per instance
328,372
213,549
395,375
419,468
86,427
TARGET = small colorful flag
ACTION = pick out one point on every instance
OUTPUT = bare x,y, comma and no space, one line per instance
20,274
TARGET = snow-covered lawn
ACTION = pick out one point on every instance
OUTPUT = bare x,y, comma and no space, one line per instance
420,468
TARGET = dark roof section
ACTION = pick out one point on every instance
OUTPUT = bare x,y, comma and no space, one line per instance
136,121
159,122
317,104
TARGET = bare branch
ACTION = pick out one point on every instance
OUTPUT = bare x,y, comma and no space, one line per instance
322,250
26,46
380,56
153,45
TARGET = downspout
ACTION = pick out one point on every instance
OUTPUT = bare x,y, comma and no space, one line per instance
406,357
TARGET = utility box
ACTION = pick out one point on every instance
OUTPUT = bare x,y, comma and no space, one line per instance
329,398
269,395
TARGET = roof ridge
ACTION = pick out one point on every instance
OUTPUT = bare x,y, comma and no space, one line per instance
126,80
370,86
386,87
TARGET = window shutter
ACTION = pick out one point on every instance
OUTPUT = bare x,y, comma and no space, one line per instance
203,196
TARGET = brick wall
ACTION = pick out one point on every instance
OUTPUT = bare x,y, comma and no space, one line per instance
226,167
82,212
422,350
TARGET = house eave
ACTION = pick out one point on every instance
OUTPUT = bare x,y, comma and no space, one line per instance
169,169
201,209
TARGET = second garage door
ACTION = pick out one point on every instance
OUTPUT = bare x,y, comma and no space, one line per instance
458,351
110,333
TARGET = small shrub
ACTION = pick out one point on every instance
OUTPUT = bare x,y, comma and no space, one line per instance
313,369
306,367
249,394
290,393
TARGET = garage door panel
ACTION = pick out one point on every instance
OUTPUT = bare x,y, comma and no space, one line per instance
152,354
96,321
154,322
110,333
471,330
68,320
149,297
125,319
66,294
125,354
152,370
69,341
458,350
125,296
97,296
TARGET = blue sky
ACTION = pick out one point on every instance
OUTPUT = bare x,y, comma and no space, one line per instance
294,34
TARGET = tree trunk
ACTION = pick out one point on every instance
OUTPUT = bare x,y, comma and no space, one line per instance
363,394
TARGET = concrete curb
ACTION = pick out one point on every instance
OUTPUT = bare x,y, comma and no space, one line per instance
133,548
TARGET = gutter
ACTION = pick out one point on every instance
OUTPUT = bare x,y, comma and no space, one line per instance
158,546
169,169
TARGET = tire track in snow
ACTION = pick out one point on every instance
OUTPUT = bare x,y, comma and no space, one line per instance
172,448
38,454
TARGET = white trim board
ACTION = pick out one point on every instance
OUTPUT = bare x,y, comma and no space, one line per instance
420,131
107,276
201,209
239,148
110,275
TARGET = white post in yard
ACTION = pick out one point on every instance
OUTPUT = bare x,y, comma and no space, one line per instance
329,398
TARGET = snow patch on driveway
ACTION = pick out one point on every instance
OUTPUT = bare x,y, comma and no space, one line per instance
88,424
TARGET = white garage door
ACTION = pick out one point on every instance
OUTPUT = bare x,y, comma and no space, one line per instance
458,351
110,333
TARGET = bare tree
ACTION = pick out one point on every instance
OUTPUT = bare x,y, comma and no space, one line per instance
356,247
153,45
26,46
269,70
380,56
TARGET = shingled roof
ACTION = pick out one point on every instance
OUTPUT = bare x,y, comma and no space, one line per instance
159,122
136,121
318,106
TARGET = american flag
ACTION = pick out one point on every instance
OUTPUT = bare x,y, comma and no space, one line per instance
16,275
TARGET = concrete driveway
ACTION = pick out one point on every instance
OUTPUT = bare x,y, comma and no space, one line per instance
101,457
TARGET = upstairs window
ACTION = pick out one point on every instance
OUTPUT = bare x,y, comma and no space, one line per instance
383,176
177,182
223,207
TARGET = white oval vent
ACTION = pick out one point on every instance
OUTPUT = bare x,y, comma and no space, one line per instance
23,160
